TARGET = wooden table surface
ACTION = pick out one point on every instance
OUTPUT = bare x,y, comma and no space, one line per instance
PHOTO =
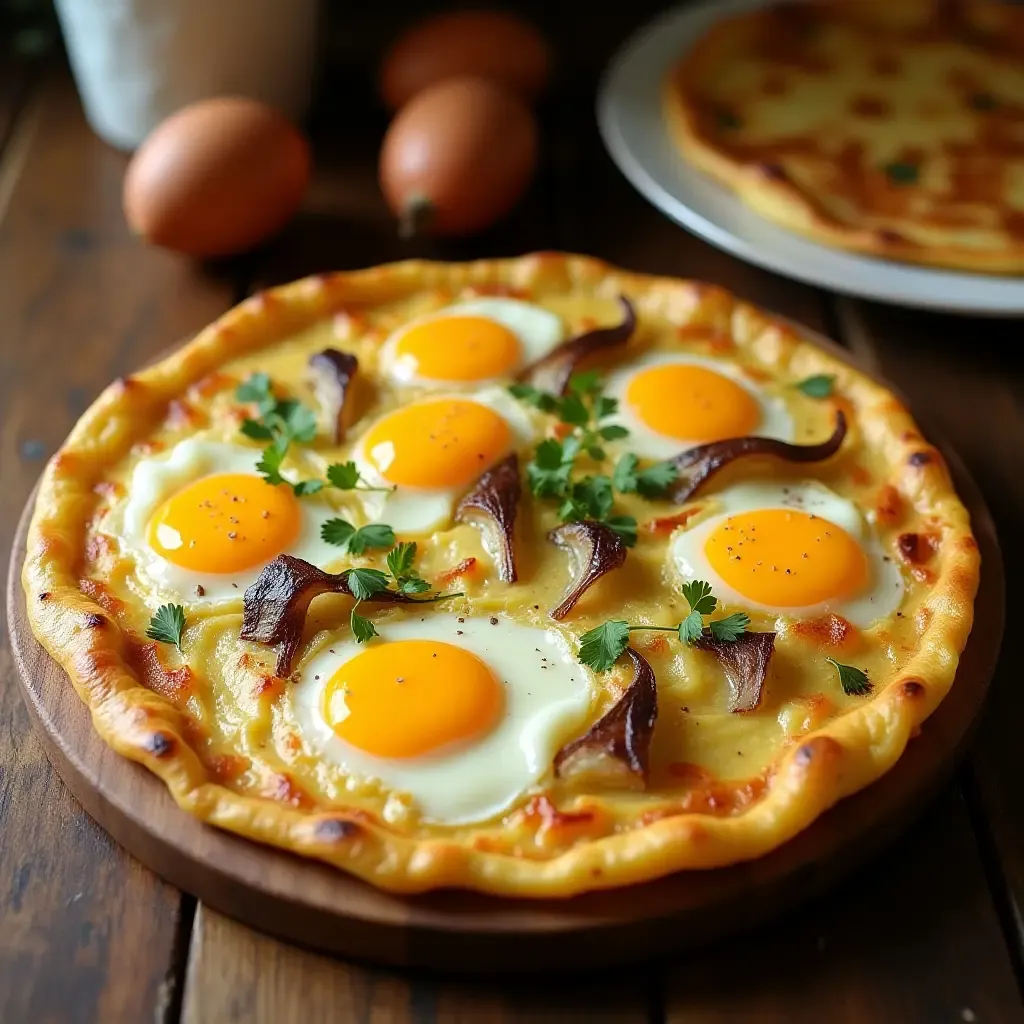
929,931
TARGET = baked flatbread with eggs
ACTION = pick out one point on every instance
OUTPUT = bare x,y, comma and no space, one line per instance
893,129
527,576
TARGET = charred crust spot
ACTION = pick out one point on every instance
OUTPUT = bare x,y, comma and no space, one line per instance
919,459
912,689
595,872
805,755
773,171
45,596
158,744
915,548
93,620
889,237
335,830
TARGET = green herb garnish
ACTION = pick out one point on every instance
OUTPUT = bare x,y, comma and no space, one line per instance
855,683
821,385
167,625
601,647
356,541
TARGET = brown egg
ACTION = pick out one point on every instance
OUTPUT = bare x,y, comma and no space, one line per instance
458,157
217,177
487,44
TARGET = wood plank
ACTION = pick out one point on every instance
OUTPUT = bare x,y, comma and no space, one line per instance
724,982
238,975
899,942
88,934
959,375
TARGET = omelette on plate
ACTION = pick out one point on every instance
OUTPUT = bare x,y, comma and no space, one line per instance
893,129
528,576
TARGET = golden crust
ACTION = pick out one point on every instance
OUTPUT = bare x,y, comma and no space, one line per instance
827,180
806,776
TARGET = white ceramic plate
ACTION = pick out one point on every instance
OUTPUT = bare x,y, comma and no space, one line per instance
629,116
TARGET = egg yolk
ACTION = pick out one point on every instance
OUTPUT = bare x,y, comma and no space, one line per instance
786,558
691,403
225,523
460,348
411,697
447,442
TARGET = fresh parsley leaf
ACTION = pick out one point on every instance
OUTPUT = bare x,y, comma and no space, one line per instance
355,542
362,628
625,527
600,647
596,452
574,411
270,464
373,535
605,406
343,475
655,480
548,472
588,383
414,585
256,430
730,628
534,396
698,596
613,432
297,421
594,493
167,625
337,531
366,583
854,682
255,388
304,487
820,385
691,629
401,558
624,474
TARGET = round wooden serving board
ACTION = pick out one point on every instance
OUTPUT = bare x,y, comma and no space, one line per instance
318,906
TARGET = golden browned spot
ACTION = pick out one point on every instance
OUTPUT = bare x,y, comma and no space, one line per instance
716,339
127,385
158,744
65,463
211,384
774,85
830,630
653,643
718,797
466,567
98,545
772,171
912,689
335,830
666,524
869,106
916,548
101,594
144,660
544,815
109,489
888,506
226,767
268,686
859,475
967,543
182,414
150,447
283,788
922,574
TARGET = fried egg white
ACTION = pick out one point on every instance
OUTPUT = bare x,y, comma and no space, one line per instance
432,451
463,715
797,549
471,343
673,401
201,522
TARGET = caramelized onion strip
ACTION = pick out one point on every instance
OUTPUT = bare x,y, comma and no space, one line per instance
492,505
332,373
595,549
745,661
